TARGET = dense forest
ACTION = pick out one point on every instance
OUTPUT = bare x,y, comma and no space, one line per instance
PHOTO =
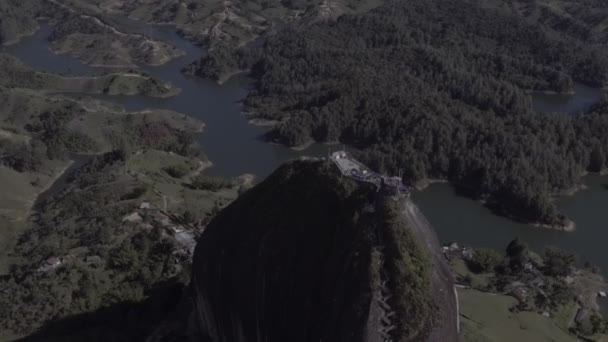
439,89
103,260
79,252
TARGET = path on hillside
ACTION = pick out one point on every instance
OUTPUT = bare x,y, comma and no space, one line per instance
442,281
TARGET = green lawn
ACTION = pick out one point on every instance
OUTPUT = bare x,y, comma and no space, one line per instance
9,231
151,163
479,280
564,315
149,166
18,195
486,317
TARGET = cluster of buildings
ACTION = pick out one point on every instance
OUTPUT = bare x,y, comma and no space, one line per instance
145,217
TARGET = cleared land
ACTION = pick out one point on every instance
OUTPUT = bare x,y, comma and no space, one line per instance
233,23
19,191
486,317
15,74
149,169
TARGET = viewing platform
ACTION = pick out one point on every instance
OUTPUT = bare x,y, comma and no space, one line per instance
350,167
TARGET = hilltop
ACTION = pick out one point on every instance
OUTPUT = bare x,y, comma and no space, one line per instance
308,255
233,23
305,255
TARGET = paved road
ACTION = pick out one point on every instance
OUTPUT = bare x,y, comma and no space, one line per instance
442,282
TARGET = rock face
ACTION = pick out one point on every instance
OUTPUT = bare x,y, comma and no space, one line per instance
310,256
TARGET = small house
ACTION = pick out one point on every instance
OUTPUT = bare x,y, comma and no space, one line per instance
520,293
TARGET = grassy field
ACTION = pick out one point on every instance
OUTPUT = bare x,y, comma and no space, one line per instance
8,234
19,191
486,317
149,165
478,280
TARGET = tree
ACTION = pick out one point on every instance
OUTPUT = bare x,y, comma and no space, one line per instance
516,251
516,248
210,183
124,257
558,262
177,170
598,324
597,159
189,217
558,291
486,259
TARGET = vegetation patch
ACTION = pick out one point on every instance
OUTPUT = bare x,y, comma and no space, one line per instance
535,292
409,272
488,317
133,240
435,89
15,74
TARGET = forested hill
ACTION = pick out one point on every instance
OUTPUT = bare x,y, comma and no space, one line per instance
582,19
439,88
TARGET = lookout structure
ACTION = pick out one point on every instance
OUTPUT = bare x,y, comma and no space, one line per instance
350,167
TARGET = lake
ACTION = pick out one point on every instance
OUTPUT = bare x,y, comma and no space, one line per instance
231,143
584,97
235,148
464,220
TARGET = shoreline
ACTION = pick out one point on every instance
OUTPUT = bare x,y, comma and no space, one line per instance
174,92
19,37
570,191
202,166
262,122
303,146
246,179
133,63
227,76
80,83
550,92
423,184
568,227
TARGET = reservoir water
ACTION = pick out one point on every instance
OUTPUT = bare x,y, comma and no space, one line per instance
464,220
235,148
231,143
584,97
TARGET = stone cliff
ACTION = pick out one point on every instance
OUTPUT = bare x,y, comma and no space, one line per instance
308,255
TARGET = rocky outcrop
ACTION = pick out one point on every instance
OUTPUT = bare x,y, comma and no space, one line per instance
308,255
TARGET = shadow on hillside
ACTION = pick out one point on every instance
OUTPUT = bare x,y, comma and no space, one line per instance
124,321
